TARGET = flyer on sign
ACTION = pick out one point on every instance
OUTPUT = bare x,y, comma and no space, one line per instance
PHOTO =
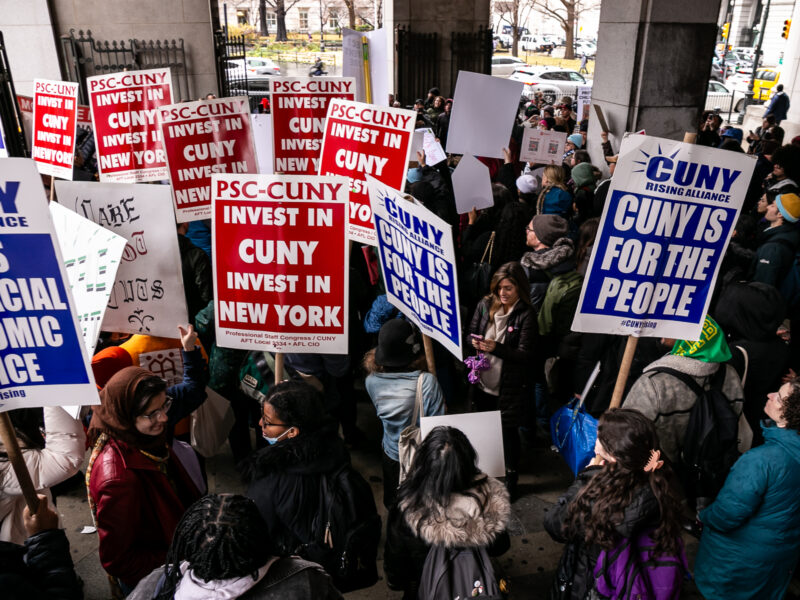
360,140
43,361
147,296
92,254
584,100
281,263
201,138
418,263
542,147
298,107
124,116
669,215
55,116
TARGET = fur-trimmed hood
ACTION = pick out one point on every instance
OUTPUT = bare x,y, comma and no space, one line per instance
562,250
470,520
320,451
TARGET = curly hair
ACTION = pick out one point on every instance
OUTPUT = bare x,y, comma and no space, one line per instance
791,406
599,508
221,536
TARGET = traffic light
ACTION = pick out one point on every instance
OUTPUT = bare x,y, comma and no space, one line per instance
725,28
787,25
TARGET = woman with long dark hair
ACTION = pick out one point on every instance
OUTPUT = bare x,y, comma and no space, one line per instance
445,501
623,493
221,550
504,329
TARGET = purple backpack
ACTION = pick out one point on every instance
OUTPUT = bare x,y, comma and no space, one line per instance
633,571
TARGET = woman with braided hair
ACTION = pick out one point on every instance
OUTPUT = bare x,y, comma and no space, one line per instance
222,549
624,493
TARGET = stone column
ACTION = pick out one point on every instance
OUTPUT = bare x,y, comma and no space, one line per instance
653,63
790,76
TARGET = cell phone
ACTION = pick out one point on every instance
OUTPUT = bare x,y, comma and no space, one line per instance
475,336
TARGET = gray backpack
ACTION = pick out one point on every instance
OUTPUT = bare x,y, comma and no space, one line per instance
451,573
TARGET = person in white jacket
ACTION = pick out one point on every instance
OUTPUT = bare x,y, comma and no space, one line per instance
50,459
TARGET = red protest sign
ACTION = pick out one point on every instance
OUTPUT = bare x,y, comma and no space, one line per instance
363,139
280,260
55,108
201,138
126,133
298,107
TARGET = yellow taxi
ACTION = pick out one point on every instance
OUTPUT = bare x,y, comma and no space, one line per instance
765,80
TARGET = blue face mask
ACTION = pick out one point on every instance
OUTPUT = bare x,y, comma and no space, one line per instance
274,440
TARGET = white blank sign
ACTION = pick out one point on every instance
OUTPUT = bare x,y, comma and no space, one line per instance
483,430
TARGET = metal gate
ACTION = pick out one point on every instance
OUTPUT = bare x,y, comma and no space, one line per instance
84,56
417,65
471,51
13,132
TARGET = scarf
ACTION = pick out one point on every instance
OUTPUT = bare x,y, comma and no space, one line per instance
115,415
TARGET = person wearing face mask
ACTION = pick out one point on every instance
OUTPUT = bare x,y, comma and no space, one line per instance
284,478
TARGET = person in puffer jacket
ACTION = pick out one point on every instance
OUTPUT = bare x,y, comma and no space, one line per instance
445,500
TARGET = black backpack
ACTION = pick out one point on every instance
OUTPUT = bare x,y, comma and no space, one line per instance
347,530
710,445
458,573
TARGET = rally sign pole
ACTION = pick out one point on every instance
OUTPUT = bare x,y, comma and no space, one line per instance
11,444
427,343
278,367
630,346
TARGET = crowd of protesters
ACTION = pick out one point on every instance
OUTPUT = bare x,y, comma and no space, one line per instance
160,537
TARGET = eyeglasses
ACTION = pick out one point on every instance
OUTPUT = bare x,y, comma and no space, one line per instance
159,411
529,229
265,423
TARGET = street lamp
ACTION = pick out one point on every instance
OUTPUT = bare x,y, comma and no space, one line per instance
321,28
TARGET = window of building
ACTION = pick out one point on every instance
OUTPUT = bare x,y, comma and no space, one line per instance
333,20
241,16
272,19
303,17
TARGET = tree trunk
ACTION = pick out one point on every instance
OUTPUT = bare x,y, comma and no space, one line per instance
280,13
569,30
351,12
515,28
262,13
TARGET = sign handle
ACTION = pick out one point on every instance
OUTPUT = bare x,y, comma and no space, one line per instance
52,187
278,367
689,137
624,371
17,462
367,78
428,345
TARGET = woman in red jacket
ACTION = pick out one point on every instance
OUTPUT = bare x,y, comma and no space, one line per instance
138,489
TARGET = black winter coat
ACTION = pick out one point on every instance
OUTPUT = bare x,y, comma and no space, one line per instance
42,568
197,275
642,513
285,484
520,357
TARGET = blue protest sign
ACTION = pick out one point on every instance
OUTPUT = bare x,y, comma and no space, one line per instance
43,361
418,264
668,217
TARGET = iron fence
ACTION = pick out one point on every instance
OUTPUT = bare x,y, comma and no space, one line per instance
417,64
84,56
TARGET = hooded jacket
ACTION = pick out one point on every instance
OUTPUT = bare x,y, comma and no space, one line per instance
285,483
478,518
280,579
40,569
751,539
776,251
642,513
667,401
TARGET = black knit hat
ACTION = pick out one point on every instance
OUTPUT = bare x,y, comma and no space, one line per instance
396,344
549,228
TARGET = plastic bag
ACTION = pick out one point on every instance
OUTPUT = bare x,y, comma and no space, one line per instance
574,433
211,423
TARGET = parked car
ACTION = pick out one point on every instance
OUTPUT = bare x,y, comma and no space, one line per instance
717,72
256,88
503,66
738,81
586,48
536,43
722,99
254,65
765,81
553,82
